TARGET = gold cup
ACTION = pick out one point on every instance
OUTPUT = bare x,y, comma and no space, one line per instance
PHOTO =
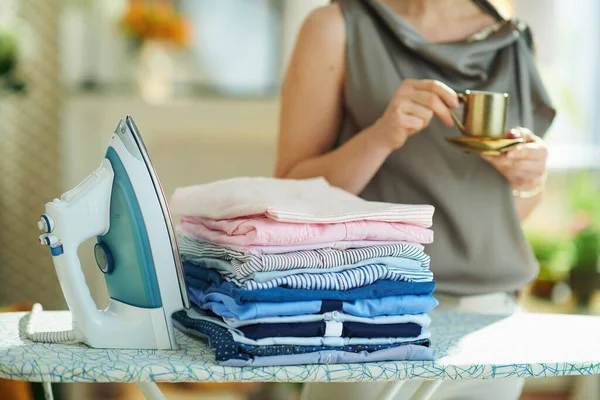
484,114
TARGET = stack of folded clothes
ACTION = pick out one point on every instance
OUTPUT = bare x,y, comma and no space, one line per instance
286,272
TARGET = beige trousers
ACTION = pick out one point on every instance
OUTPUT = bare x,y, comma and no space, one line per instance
473,389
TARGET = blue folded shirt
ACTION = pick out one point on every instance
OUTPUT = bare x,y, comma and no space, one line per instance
226,306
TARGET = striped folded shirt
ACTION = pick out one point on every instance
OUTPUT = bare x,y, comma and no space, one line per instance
245,265
345,280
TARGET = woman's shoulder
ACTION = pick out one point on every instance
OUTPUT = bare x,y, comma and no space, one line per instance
330,13
323,32
327,21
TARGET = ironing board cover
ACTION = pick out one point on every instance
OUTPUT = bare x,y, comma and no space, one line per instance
470,346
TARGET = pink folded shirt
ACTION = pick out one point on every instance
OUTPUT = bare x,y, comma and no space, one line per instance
259,249
289,200
262,231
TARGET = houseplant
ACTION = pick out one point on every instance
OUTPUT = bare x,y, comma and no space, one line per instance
154,28
554,254
8,62
585,274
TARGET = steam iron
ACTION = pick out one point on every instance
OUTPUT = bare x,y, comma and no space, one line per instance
122,204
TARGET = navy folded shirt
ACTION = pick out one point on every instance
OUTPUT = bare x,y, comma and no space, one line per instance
226,348
318,328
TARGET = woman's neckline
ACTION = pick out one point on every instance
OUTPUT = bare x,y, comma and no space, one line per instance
479,35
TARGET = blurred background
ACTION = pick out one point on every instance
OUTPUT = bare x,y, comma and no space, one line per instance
203,88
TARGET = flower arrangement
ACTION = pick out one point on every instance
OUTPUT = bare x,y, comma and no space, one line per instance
155,20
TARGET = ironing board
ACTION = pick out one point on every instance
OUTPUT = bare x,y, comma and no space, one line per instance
470,346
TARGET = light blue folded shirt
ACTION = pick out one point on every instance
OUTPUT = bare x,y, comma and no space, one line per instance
403,353
226,307
397,264
393,263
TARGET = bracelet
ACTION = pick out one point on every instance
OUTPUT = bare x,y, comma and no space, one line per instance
528,194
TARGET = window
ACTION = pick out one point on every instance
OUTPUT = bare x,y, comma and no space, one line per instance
237,43
568,56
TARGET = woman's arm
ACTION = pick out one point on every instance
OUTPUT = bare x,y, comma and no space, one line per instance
526,206
311,107
312,103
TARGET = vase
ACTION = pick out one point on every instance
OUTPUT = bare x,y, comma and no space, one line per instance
154,72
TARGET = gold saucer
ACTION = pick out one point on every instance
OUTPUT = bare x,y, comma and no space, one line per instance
486,152
484,145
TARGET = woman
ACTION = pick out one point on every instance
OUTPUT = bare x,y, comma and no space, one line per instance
366,104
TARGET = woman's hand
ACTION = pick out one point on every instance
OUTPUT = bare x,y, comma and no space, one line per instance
525,166
411,109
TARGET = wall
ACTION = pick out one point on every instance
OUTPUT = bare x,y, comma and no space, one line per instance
29,153
190,140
